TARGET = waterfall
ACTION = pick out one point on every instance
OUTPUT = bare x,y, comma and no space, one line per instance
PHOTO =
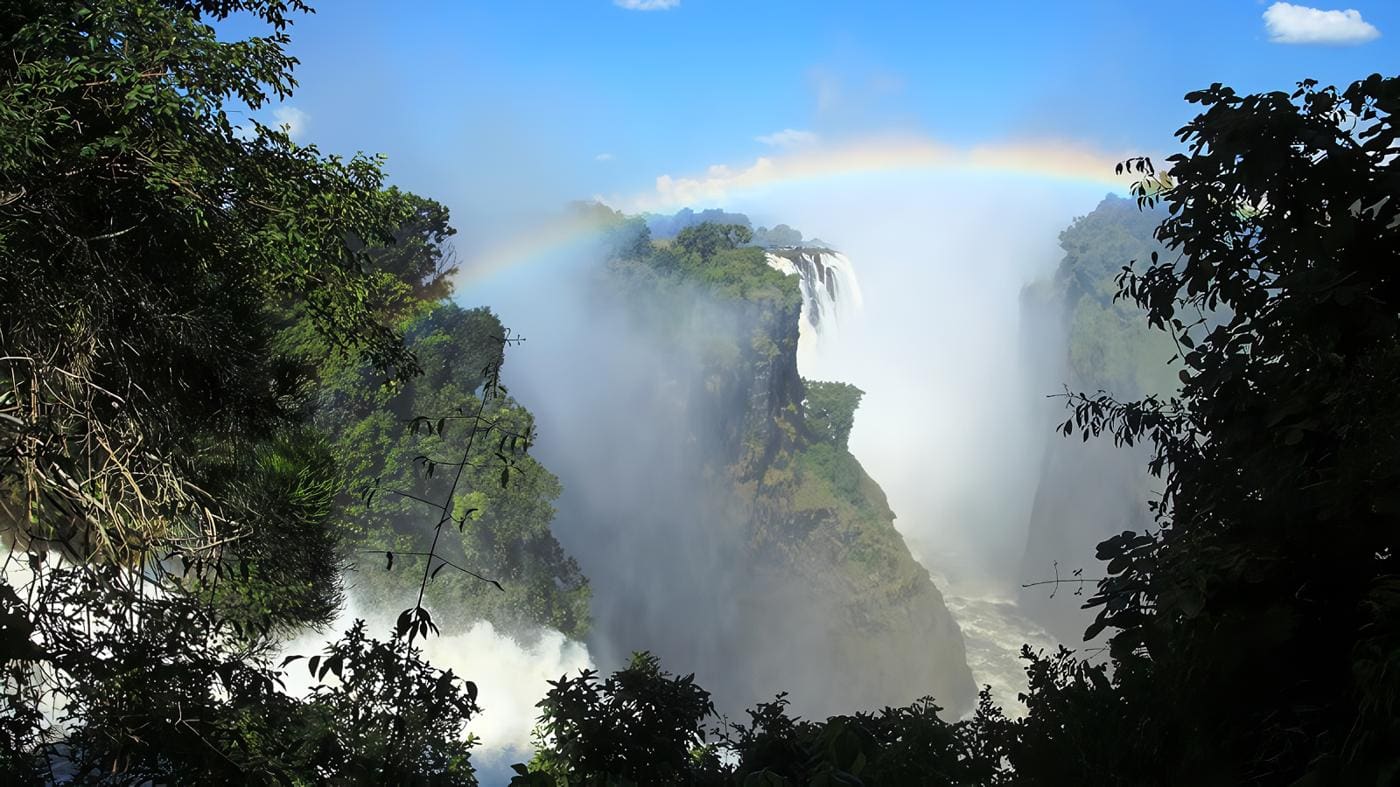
993,625
830,293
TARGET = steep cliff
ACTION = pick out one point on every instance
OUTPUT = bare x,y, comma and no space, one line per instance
506,533
1089,490
781,565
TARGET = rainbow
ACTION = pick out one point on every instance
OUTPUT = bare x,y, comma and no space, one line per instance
889,155
543,241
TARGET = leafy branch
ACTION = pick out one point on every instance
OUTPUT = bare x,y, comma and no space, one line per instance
417,621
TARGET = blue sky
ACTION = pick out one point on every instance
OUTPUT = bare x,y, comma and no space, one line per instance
494,106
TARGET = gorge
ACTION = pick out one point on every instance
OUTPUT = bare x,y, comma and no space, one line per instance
708,491
723,521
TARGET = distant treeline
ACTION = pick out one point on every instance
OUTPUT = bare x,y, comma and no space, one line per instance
667,226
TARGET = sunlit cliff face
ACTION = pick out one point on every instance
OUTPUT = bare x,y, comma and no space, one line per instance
951,425
953,421
675,418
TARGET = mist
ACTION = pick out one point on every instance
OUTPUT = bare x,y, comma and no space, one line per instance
626,420
954,426
952,422
511,671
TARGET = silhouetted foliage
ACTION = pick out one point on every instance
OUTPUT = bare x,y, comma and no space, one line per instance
1254,631
641,725
389,718
645,726
157,688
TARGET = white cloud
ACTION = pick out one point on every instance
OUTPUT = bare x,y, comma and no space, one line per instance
788,138
603,157
1299,24
294,119
647,5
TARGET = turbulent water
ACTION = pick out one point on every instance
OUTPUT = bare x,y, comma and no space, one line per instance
830,290
994,630
511,672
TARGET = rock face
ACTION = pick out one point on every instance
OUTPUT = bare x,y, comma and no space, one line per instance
1091,490
743,541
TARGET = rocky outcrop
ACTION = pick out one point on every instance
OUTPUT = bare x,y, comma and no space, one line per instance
787,571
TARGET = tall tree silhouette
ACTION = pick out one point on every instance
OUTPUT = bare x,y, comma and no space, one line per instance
1256,630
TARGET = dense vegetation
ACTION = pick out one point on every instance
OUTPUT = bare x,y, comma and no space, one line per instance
643,725
831,410
1111,346
395,462
1264,603
201,326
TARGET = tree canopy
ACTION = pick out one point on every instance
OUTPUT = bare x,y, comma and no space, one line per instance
148,249
707,238
171,289
1254,631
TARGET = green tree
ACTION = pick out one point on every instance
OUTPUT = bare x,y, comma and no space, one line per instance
830,409
1256,631
148,250
406,441
643,725
285,574
153,414
419,253
706,239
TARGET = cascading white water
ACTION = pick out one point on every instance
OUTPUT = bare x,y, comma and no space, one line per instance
993,627
830,292
512,670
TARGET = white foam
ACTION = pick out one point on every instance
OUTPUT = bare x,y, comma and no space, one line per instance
830,294
510,672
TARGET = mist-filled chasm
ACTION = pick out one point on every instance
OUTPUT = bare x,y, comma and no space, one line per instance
720,533
693,498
